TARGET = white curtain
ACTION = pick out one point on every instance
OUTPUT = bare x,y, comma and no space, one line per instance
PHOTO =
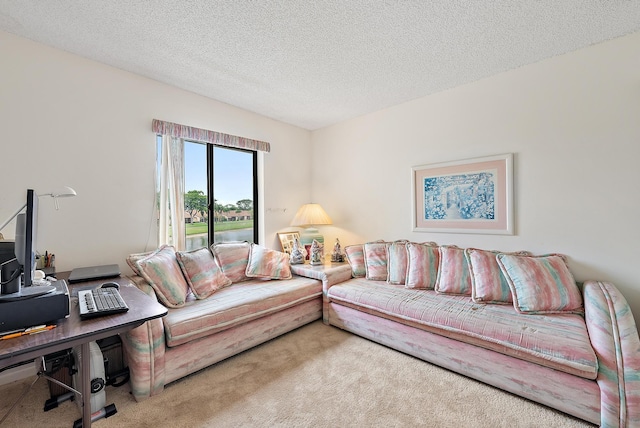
171,226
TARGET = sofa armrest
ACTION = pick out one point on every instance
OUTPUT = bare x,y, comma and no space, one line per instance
329,274
144,348
614,337
143,285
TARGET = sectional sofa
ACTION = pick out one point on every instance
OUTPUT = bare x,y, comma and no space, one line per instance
515,321
221,301
512,320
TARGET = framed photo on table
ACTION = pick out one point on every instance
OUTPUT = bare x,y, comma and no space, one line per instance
466,196
287,239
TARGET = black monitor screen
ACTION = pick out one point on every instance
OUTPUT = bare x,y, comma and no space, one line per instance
26,234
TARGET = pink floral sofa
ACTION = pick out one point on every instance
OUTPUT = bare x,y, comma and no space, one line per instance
221,301
514,321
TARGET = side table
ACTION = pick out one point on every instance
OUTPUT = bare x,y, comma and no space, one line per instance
329,273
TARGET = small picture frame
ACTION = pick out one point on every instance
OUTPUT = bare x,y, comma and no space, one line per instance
287,239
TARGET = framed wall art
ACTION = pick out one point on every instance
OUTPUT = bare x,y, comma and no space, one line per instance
466,196
286,240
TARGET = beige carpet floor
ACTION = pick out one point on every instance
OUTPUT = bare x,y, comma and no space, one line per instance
316,376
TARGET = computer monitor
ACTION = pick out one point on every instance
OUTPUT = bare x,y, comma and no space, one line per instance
26,236
25,252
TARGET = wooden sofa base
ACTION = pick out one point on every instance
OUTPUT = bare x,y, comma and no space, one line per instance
570,394
190,357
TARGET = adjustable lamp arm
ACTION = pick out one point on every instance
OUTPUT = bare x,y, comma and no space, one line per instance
68,191
14,215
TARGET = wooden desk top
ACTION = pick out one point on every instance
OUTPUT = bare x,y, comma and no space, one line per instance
73,331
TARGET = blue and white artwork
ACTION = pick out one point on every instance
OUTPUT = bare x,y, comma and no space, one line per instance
469,196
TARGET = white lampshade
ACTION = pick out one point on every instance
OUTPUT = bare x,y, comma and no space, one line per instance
311,215
64,192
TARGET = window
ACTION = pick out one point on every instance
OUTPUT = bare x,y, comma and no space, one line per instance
220,194
235,194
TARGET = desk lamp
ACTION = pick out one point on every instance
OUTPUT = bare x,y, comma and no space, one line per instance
310,215
65,193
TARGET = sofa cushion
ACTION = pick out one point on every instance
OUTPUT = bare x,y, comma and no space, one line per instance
201,272
375,260
422,265
397,263
355,257
267,264
235,305
541,284
558,341
453,272
232,257
132,259
488,284
162,271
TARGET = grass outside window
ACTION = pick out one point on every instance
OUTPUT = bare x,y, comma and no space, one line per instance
198,228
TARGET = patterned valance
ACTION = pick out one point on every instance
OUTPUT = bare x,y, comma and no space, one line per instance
206,136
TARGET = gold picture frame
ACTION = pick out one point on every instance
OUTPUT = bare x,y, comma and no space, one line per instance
287,239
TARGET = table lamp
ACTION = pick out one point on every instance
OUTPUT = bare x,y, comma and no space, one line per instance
308,216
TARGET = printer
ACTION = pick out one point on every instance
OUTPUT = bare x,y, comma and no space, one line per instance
43,309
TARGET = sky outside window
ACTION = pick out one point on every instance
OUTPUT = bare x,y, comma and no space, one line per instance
233,172
232,175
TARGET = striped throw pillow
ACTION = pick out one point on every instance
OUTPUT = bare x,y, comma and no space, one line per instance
541,284
201,271
397,265
267,264
453,272
375,260
355,257
488,284
162,271
422,265
232,257
132,259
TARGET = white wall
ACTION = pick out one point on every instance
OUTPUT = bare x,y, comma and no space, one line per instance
573,124
70,121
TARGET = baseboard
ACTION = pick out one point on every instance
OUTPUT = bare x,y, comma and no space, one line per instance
18,373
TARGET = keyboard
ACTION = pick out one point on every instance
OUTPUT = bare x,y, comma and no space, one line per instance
99,302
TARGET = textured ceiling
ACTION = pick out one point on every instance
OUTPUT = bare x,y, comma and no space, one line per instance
316,63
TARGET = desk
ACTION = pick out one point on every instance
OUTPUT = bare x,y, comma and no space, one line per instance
73,331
